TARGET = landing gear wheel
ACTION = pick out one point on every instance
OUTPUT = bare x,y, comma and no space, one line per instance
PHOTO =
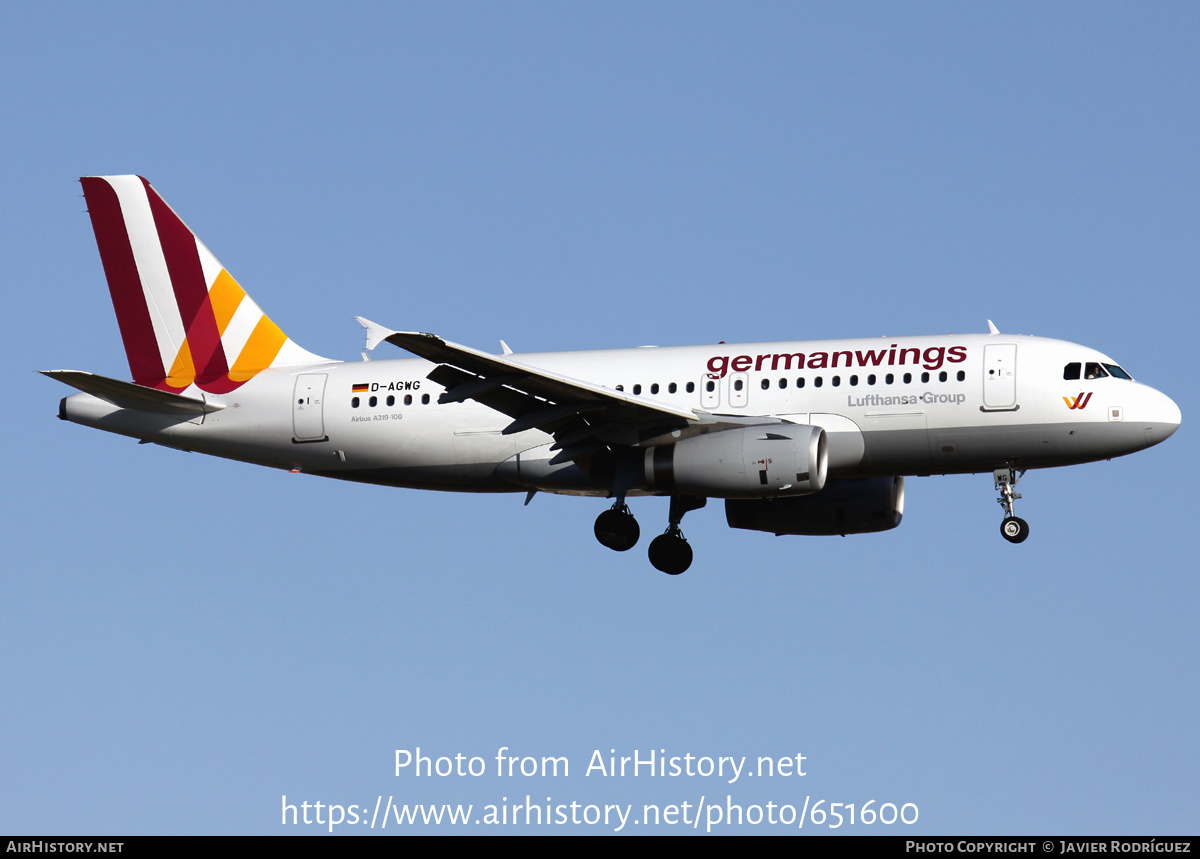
670,553
1014,529
617,529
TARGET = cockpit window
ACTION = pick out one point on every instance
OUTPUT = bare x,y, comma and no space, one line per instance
1094,371
1117,372
1071,371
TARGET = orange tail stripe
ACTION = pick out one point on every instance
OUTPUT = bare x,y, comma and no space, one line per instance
183,370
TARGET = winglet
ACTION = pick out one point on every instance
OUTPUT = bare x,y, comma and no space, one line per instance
992,329
504,346
376,333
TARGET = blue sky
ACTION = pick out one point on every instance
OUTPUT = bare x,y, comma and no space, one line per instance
185,640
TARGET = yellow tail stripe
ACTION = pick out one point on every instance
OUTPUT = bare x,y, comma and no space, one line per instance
260,350
225,295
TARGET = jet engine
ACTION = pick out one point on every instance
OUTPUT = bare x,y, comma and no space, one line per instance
859,506
747,462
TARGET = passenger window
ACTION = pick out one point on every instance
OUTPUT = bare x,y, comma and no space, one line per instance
925,377
782,384
373,402
800,382
709,386
871,379
654,388
817,382
737,384
1071,371
691,387
353,403
961,376
942,376
889,378
637,389
672,388
854,380
408,399
620,387
837,380
766,383
424,399
907,378
1093,371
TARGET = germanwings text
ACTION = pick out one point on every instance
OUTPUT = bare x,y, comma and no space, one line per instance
931,358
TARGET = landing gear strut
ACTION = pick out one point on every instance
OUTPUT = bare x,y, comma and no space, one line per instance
616,528
1013,528
670,551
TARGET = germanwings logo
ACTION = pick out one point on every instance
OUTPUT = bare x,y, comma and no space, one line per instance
931,358
1079,402
183,319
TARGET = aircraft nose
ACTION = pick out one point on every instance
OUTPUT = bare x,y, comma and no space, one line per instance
1162,418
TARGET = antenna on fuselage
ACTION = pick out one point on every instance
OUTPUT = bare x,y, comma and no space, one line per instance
992,329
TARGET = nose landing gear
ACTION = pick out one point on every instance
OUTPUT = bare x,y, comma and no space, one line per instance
1013,528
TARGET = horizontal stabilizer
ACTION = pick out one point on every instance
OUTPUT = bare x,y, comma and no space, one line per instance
127,395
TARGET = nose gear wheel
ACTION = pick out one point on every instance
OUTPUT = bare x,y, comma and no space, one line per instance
1013,528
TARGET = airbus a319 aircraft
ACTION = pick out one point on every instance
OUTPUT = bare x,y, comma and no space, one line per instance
806,437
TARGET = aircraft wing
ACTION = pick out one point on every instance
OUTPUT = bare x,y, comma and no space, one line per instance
579,414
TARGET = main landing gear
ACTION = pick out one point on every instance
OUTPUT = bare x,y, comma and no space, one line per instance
669,551
1013,528
618,530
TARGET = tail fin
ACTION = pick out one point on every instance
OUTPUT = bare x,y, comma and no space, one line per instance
182,316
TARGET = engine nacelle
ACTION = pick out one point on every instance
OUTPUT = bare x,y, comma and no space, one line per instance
860,506
748,462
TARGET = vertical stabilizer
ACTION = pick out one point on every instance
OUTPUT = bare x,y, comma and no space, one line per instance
184,320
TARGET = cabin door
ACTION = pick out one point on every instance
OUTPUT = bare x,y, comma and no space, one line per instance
1000,376
308,409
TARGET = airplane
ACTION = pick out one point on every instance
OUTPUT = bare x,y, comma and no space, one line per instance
799,438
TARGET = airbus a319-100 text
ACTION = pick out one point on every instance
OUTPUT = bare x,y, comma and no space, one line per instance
812,437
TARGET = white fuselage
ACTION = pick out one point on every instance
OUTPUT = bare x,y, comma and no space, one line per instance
889,406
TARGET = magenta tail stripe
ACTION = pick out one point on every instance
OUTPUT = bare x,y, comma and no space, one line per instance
191,290
124,282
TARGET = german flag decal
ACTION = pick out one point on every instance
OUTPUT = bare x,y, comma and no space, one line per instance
360,389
